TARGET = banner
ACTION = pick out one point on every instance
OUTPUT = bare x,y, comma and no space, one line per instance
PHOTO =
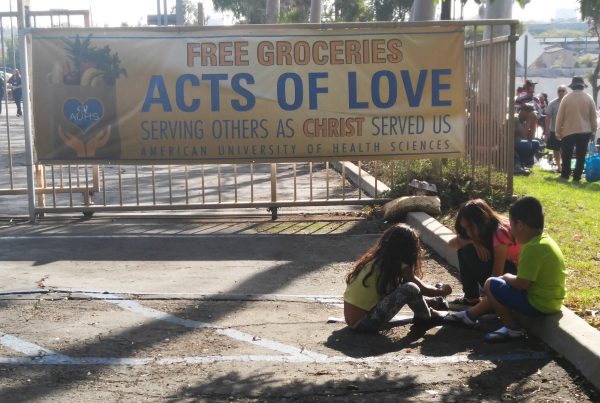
244,94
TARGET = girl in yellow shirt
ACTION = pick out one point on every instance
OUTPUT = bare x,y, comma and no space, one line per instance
384,279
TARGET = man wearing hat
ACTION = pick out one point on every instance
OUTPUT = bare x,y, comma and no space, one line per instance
526,96
575,123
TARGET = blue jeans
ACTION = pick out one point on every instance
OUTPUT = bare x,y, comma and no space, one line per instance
525,150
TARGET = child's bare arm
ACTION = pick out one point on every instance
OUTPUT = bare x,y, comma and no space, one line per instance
516,282
458,243
500,255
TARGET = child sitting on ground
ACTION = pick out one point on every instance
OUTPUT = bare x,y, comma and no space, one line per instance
537,289
485,246
387,277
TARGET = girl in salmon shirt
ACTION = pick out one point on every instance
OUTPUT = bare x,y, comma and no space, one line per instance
486,248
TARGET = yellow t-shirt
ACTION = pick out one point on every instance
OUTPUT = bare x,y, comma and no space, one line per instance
360,296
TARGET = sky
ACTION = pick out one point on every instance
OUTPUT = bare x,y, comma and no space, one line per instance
113,12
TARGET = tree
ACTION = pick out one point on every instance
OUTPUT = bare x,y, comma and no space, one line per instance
295,12
590,12
11,55
391,10
347,11
245,11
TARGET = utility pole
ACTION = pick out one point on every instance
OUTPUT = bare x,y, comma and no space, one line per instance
165,13
179,12
446,10
272,11
315,11
494,10
422,10
201,14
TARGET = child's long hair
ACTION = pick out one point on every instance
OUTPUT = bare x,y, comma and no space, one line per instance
397,246
478,213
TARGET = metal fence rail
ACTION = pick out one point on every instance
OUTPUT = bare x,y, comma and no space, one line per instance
489,66
90,188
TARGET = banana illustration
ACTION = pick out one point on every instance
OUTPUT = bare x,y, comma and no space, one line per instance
97,81
89,75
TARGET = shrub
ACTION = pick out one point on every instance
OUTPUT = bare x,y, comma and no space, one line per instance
456,180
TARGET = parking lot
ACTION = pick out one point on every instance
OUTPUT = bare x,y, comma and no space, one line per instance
204,310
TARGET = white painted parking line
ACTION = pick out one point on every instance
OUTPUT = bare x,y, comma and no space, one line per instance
405,359
60,359
38,355
135,307
31,350
323,299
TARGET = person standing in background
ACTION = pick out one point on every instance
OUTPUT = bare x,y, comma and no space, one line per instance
15,83
550,125
575,123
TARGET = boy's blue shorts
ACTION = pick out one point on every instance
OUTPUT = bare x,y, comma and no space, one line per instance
511,297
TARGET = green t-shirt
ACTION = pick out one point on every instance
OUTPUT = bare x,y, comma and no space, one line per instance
541,262
360,296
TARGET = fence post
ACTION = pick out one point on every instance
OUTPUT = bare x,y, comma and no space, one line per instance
22,24
511,107
273,209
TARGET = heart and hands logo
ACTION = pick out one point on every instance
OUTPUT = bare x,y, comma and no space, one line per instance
82,89
83,114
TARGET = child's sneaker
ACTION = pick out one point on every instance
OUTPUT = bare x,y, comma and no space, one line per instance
504,334
461,318
437,303
463,303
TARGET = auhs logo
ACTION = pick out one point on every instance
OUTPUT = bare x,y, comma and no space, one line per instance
83,114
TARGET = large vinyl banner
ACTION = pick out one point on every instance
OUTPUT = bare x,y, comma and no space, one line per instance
243,94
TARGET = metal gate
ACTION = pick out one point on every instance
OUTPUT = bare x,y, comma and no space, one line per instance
489,69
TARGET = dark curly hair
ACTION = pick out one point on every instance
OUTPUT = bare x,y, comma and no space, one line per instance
398,246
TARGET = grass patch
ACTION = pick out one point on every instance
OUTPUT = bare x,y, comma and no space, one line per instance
573,221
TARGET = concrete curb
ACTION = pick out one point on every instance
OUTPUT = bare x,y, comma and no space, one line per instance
434,234
573,338
566,333
366,182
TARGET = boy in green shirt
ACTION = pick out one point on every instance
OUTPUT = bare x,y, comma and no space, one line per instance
537,289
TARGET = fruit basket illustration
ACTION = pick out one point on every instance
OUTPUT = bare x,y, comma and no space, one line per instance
83,102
